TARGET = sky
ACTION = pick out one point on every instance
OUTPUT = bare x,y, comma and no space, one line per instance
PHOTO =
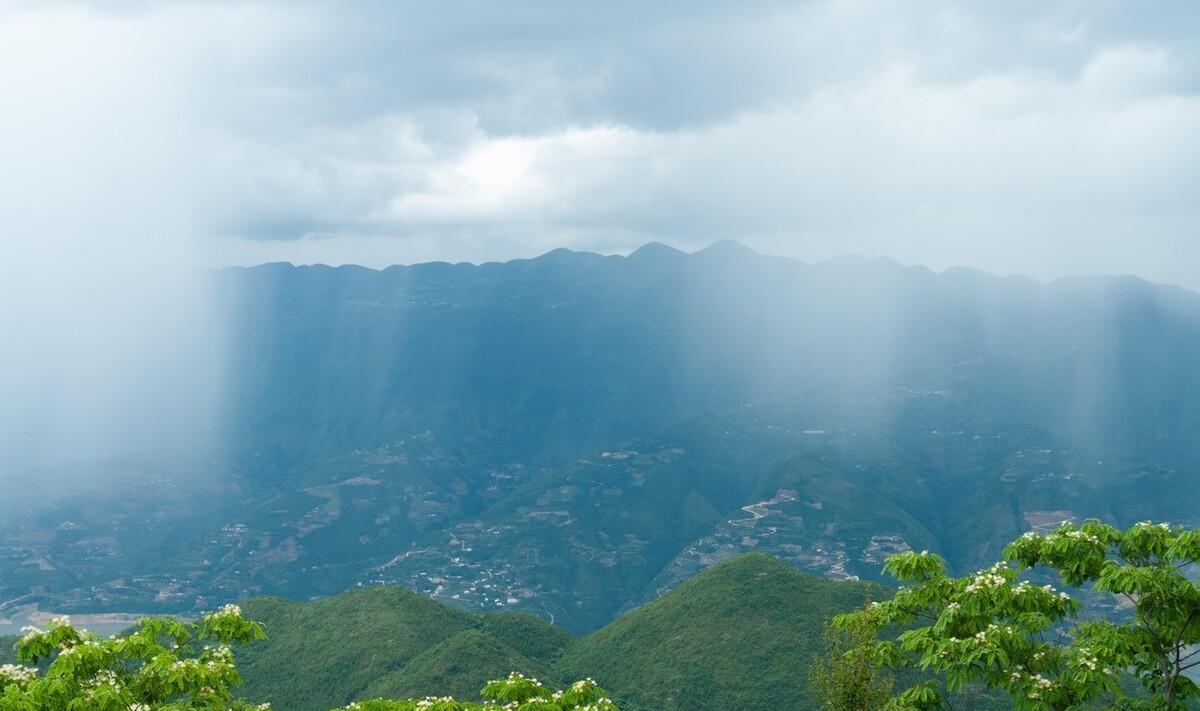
1038,138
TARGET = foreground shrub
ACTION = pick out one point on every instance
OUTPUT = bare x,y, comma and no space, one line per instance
849,676
163,665
996,629
516,693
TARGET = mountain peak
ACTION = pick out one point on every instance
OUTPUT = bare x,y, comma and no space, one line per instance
655,250
558,254
726,611
727,248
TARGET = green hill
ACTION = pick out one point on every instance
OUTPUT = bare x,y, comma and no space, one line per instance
457,667
740,635
528,635
385,641
327,652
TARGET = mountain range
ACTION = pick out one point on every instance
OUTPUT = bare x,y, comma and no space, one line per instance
572,435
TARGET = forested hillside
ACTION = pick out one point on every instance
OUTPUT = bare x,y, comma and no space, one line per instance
745,631
386,641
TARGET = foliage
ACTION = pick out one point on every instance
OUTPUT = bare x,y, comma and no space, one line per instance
514,693
849,676
1028,640
163,665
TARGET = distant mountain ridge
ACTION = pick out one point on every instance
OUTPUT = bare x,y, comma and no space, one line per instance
570,351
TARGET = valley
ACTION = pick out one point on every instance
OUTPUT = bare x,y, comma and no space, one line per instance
576,545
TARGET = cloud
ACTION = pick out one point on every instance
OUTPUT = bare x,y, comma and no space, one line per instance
1018,137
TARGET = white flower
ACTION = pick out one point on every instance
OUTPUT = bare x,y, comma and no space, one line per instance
1081,536
17,673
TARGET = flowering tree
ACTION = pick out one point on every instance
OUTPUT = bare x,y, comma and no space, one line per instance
164,665
516,693
1009,634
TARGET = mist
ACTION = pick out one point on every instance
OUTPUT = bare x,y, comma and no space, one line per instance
113,344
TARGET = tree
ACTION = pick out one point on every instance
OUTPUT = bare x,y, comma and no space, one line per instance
516,693
848,677
164,665
1029,640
